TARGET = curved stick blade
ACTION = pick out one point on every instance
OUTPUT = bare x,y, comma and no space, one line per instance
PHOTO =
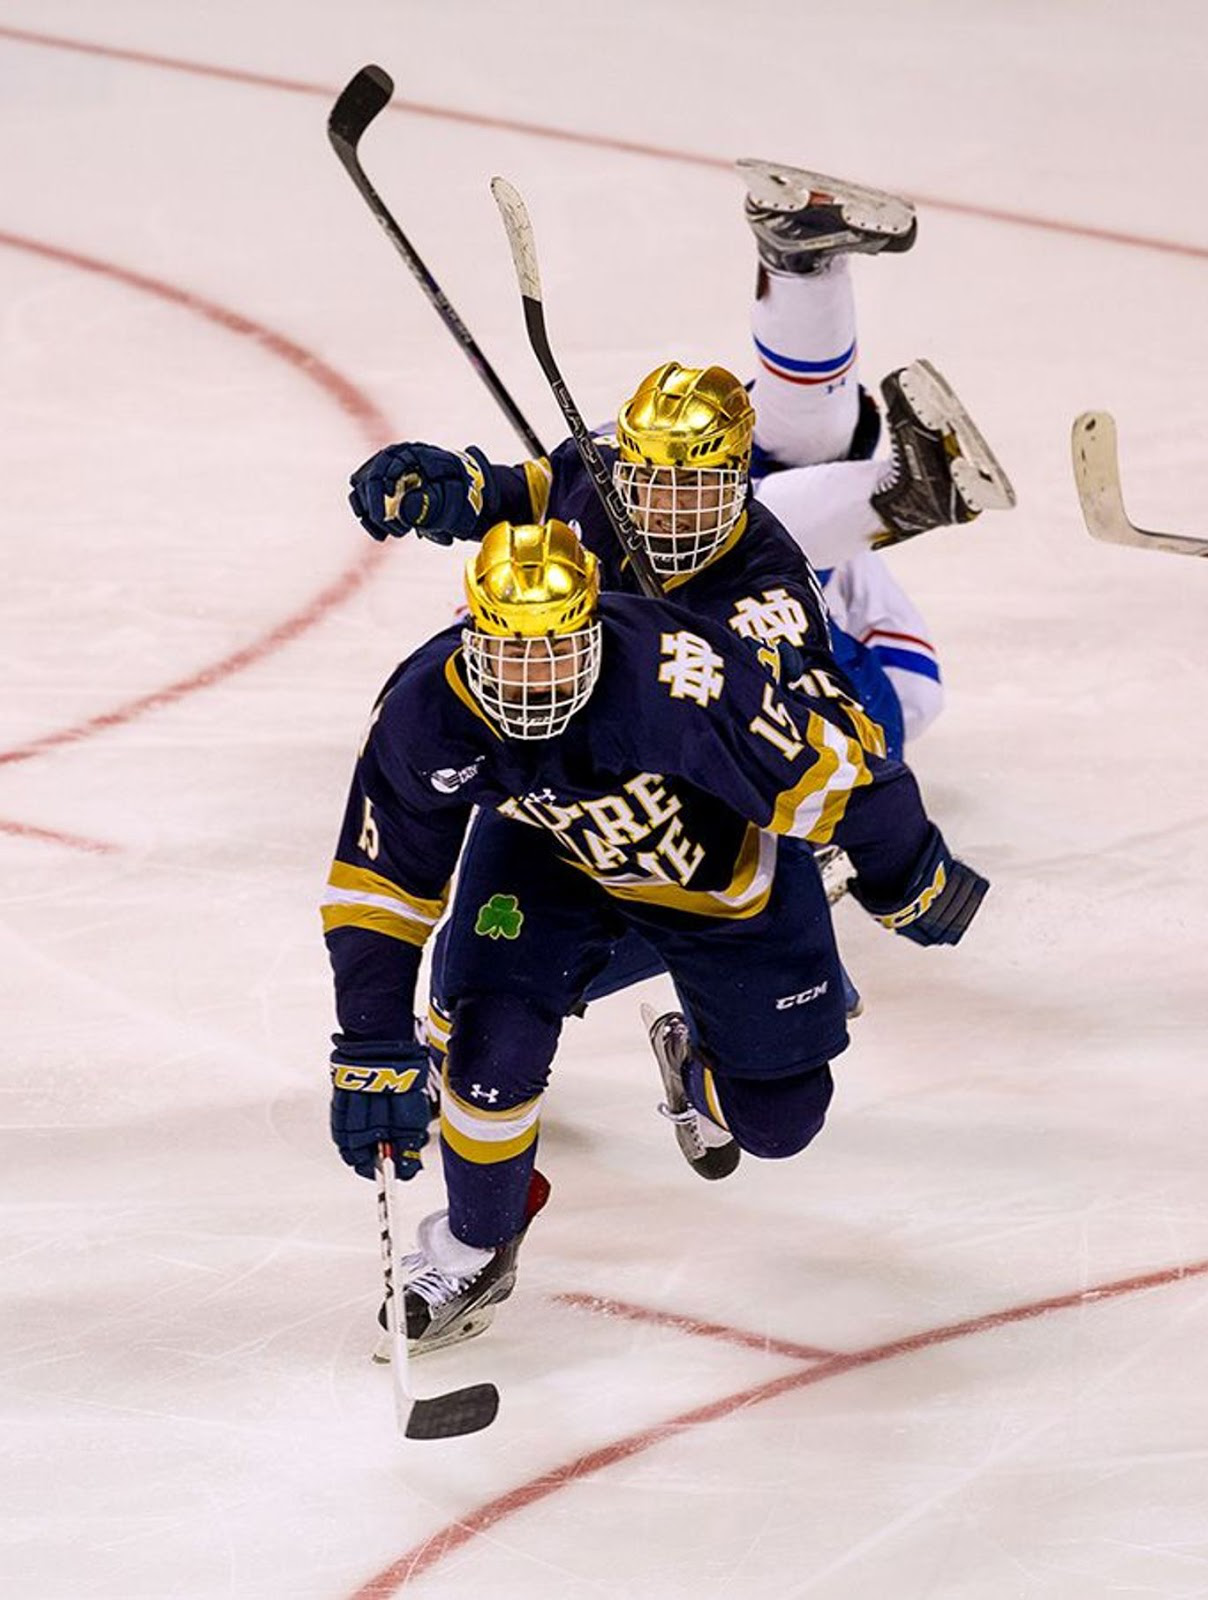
1097,477
363,98
520,236
450,1415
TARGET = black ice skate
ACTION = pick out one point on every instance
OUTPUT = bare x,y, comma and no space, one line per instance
944,472
708,1148
451,1290
799,219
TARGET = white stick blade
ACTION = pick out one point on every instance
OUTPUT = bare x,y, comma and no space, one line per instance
520,236
1097,476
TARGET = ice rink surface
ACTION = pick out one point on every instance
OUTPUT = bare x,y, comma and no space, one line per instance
959,1349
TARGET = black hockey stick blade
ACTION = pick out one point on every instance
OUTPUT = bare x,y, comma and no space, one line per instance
447,1416
362,99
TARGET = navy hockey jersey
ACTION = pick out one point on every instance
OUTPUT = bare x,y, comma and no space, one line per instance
669,787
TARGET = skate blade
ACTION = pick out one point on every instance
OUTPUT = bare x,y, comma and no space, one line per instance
783,188
979,478
471,1326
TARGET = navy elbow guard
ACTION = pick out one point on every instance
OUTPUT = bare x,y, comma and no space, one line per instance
940,903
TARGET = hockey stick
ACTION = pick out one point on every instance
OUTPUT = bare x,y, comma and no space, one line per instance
362,99
524,258
1097,476
445,1416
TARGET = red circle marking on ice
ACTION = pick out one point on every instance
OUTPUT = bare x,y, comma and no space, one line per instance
346,395
597,141
424,1556
71,841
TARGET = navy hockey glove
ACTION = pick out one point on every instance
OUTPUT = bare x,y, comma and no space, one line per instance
940,903
438,493
378,1094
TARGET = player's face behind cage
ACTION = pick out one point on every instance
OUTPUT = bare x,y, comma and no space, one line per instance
531,688
684,449
683,514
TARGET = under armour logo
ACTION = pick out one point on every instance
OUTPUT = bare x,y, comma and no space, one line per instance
545,797
694,671
477,1092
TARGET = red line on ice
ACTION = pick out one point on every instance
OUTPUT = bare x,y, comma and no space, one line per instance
346,395
596,141
424,1556
706,1330
73,841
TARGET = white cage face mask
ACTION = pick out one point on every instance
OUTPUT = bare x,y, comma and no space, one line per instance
684,514
531,688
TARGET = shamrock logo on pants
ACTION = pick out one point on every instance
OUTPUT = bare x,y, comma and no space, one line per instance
500,918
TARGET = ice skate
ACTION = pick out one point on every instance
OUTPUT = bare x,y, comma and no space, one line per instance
450,1289
707,1148
835,870
943,472
799,219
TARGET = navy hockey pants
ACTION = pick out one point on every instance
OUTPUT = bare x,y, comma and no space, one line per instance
528,933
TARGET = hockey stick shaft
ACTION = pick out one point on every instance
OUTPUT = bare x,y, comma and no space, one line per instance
444,1416
383,1171
367,94
524,258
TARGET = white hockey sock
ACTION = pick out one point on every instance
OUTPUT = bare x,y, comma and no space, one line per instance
806,393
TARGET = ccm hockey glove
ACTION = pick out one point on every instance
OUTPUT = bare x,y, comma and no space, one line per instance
438,493
378,1095
940,902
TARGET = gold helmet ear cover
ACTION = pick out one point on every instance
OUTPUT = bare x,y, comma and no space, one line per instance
687,417
532,579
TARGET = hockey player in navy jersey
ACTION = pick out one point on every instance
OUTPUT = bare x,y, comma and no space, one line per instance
812,425
650,775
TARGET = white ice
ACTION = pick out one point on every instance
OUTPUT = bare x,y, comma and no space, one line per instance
190,1273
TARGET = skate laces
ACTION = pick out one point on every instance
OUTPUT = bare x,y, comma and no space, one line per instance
434,1286
682,1119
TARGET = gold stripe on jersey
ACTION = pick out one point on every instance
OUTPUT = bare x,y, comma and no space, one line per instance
711,1100
539,476
374,919
485,1137
870,733
359,898
745,895
813,808
453,679
437,1030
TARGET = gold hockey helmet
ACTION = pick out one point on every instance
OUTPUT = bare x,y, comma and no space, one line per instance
687,417
532,579
684,454
532,653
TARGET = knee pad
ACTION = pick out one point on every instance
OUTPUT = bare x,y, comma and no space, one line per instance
775,1117
500,1050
